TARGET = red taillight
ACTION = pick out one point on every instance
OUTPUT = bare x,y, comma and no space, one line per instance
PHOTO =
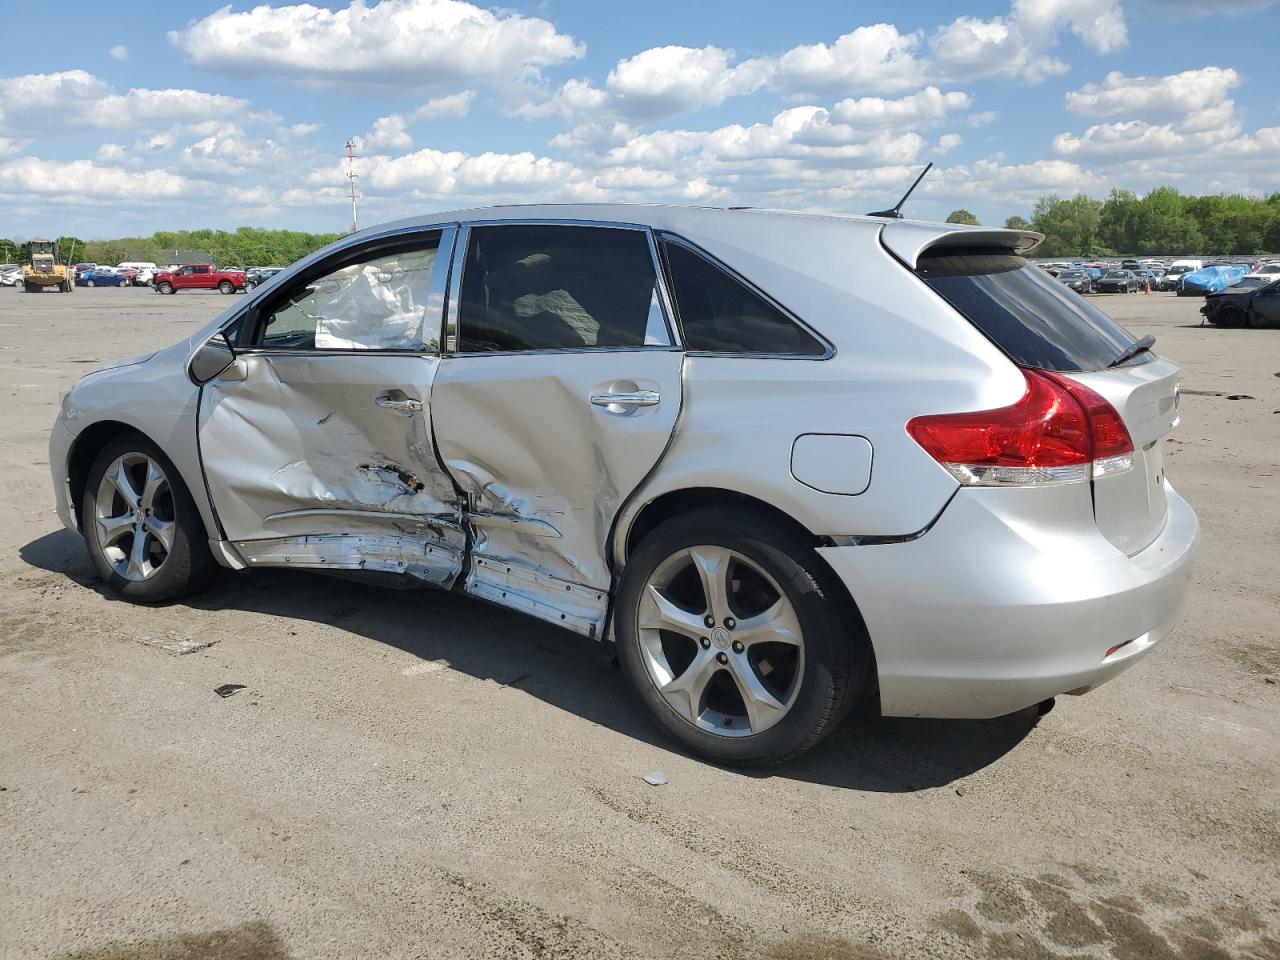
1060,431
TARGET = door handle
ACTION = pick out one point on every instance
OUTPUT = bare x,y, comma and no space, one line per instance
397,400
627,398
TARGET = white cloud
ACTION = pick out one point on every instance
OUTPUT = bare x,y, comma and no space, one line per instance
1017,44
454,105
120,52
663,81
929,106
396,44
76,98
872,58
947,142
1171,96
982,119
388,133
112,153
90,182
10,146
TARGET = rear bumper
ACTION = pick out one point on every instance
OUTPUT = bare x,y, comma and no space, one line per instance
992,611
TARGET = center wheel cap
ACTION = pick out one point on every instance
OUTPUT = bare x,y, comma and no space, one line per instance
720,637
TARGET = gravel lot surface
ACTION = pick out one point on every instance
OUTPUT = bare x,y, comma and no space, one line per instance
415,774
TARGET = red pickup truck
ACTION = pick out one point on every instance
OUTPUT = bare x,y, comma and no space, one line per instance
198,276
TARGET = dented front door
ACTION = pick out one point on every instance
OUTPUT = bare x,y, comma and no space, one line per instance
561,396
317,443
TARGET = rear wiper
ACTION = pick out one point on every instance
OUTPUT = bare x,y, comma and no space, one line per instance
1141,345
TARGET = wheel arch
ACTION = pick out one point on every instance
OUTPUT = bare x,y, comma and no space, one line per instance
89,443
673,503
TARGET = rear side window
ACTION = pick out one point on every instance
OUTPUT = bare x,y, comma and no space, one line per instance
1034,319
719,314
559,288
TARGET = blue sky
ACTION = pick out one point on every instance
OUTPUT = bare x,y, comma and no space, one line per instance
165,116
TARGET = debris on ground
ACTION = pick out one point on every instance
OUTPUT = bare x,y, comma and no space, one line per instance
655,778
177,644
228,689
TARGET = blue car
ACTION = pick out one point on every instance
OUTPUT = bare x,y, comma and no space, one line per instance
98,277
1210,280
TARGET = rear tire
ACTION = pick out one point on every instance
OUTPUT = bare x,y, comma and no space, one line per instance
141,527
226,286
797,639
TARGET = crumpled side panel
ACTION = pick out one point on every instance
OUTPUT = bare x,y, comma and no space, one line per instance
299,447
545,470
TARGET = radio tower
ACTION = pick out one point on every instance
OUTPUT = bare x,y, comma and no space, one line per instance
353,177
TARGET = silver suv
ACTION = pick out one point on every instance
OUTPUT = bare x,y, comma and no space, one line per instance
781,461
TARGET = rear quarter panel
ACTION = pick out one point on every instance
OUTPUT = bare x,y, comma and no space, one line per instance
900,351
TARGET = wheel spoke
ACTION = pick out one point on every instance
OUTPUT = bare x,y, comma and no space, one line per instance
162,530
712,564
139,566
659,613
124,485
778,624
111,529
763,708
154,484
686,691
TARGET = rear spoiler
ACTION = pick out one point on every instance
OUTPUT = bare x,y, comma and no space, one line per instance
908,240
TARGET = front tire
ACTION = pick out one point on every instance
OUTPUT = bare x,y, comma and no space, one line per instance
737,637
142,529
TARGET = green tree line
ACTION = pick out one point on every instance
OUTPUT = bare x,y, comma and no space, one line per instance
1163,222
245,246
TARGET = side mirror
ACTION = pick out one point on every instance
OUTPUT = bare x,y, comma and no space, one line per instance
213,357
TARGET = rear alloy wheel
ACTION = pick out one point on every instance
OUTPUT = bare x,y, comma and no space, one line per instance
226,286
733,633
89,283
140,524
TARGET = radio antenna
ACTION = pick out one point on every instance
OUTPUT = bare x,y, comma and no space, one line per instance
895,212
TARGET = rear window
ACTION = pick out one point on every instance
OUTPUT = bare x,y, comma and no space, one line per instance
1035,320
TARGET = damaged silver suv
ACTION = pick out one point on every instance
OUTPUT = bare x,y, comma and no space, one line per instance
781,461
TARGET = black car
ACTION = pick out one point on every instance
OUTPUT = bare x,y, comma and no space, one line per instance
256,275
1081,281
1250,301
1117,281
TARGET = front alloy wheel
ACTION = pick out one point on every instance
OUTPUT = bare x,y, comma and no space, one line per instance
142,528
134,513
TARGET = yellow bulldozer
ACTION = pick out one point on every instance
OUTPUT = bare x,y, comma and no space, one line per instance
42,269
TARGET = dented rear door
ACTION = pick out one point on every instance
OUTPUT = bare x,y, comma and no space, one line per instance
317,443
560,396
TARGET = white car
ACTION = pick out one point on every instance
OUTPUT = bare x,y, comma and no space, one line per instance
10,275
782,462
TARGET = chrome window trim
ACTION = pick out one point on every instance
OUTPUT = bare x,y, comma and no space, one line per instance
436,302
829,350
664,298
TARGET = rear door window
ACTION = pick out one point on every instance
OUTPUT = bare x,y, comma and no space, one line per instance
551,287
720,314
1036,321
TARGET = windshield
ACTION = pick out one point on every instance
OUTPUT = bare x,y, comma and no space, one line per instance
1035,320
1115,275
1070,275
1178,268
